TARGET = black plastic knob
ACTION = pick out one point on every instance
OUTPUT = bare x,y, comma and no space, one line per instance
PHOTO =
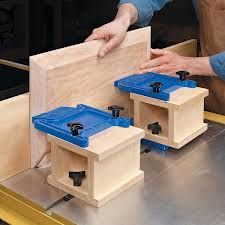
156,86
77,177
155,128
183,74
115,110
75,127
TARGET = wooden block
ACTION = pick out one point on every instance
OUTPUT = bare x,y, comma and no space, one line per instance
111,163
14,136
181,118
75,75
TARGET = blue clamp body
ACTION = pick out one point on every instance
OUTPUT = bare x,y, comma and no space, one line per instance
154,145
93,121
142,84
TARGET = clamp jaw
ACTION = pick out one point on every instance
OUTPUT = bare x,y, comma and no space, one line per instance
115,110
75,127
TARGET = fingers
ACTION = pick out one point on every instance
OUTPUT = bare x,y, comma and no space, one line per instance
96,35
164,69
159,52
159,69
111,44
158,64
165,63
154,63
162,57
91,38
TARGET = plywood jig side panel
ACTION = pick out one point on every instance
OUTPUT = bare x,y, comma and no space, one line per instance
14,136
75,75
186,48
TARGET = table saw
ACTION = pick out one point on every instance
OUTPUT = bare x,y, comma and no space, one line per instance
180,186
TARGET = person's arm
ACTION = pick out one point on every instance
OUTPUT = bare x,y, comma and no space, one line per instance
217,63
129,12
114,32
169,63
145,9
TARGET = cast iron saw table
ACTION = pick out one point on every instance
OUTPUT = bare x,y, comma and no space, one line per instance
181,187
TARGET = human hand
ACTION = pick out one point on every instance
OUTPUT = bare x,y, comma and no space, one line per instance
113,33
165,62
169,63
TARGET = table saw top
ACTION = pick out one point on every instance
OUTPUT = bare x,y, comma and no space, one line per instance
180,187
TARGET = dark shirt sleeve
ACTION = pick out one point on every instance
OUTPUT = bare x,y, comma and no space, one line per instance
146,9
218,64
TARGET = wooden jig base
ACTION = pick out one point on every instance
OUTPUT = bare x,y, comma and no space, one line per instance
111,163
181,118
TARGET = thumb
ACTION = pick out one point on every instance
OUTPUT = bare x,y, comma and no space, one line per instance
158,52
95,36
111,44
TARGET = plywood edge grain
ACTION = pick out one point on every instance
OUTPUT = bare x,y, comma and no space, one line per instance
69,146
37,106
184,96
130,135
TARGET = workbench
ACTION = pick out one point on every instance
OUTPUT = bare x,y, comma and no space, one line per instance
183,186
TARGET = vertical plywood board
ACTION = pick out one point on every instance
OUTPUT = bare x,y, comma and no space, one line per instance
74,75
14,136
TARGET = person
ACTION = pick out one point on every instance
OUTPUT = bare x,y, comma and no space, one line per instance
208,70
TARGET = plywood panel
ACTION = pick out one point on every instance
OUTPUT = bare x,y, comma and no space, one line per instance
187,48
116,169
14,136
188,119
75,75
